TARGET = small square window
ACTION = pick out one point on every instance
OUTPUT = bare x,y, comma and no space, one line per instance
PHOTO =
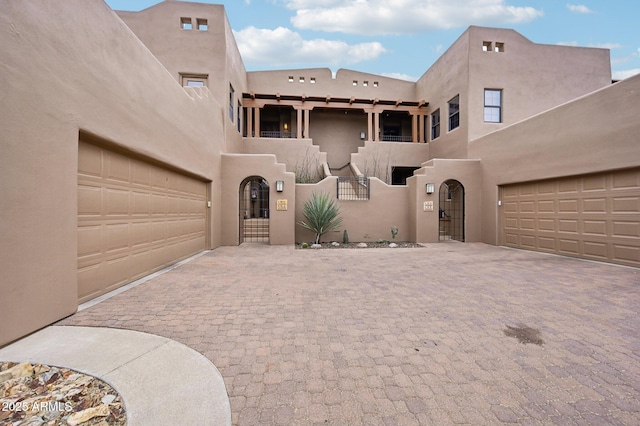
313,80
499,47
194,80
355,82
375,84
185,24
202,24
365,83
290,79
301,80
487,46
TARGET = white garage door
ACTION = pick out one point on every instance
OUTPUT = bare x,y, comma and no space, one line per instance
133,218
594,217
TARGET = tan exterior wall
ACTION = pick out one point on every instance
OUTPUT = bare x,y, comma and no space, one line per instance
342,86
337,133
213,52
598,132
98,78
365,221
235,169
300,156
378,158
424,223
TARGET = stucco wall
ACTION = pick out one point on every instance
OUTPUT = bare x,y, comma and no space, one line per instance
67,66
365,221
378,158
299,156
598,132
235,169
337,133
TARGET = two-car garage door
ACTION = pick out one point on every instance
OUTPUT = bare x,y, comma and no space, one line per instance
134,217
592,216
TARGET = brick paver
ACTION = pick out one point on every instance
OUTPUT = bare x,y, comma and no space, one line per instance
401,336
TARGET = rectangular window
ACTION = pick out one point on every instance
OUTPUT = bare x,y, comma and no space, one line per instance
239,124
435,124
492,106
231,102
454,113
193,80
202,24
185,23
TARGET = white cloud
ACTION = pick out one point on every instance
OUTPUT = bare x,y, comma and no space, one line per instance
399,76
282,46
404,16
621,75
579,8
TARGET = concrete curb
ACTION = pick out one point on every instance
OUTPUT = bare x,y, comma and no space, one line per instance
160,380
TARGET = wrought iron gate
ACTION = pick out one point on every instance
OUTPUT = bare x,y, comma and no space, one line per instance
254,210
451,210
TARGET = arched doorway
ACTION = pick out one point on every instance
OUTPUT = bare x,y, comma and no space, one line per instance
451,210
254,210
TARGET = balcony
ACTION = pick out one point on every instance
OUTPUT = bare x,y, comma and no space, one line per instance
276,134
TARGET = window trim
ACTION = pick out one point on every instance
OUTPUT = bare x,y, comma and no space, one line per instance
435,124
454,117
493,107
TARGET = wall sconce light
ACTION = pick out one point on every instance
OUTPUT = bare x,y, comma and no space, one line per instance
286,126
431,188
279,186
362,136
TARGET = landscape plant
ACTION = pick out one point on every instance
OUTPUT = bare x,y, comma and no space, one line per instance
321,214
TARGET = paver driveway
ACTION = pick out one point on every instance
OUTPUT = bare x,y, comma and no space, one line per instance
401,336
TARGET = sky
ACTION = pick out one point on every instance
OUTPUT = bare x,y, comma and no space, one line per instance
403,38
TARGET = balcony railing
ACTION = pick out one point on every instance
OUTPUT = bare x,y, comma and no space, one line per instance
393,138
275,134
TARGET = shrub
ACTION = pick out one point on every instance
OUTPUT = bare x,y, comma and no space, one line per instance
321,215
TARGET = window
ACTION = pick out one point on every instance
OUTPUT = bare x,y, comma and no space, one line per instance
454,113
375,84
355,82
435,124
231,102
290,79
499,47
486,46
238,121
202,24
312,80
193,80
301,80
492,106
185,23
365,83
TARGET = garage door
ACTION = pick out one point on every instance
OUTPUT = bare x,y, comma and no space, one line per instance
133,218
594,217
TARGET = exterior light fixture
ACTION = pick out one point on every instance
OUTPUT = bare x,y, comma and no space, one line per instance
362,135
286,126
279,186
431,188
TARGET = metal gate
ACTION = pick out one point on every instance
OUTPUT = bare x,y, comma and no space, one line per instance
254,210
451,211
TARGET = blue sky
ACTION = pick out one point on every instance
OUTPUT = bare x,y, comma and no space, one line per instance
403,38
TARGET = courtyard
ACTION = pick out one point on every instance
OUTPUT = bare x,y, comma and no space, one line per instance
447,333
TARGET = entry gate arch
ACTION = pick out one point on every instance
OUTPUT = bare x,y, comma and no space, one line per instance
451,211
254,210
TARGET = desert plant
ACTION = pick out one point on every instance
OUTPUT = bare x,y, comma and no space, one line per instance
321,214
394,232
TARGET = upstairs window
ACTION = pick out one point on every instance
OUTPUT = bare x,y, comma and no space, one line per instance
202,24
435,124
194,80
454,113
231,102
492,106
185,24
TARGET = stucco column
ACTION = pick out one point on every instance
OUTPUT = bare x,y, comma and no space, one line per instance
299,123
421,128
376,125
306,123
369,125
249,122
256,111
414,128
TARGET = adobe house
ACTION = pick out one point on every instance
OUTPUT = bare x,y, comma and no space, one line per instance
132,140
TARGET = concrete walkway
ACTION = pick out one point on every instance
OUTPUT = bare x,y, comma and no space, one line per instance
159,380
399,336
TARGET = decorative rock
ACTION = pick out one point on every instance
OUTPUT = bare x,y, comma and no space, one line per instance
362,245
316,246
23,369
335,244
101,410
393,245
108,399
